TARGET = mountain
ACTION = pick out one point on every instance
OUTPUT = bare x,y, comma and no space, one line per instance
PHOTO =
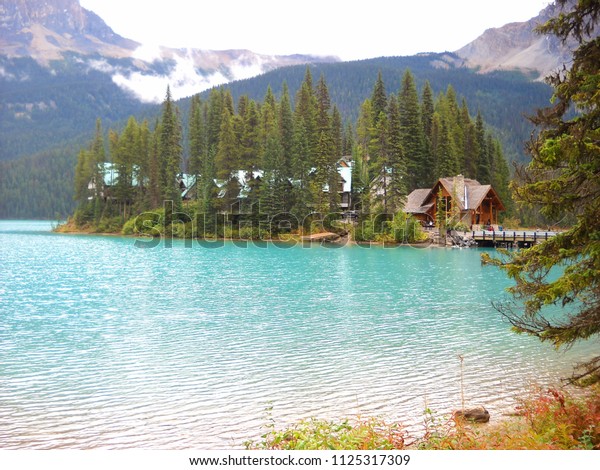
518,46
44,30
50,32
62,67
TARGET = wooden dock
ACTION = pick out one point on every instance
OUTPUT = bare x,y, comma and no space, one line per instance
511,236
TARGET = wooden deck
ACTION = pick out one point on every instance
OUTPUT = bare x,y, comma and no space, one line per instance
510,236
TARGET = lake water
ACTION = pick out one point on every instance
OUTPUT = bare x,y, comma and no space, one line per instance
105,345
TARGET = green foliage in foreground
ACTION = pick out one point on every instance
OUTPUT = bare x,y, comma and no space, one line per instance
547,420
323,435
401,229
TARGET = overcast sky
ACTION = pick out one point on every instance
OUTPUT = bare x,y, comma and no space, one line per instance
344,28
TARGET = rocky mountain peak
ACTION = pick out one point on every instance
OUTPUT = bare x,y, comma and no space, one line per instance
518,46
44,29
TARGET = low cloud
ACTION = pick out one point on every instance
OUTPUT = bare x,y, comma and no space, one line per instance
184,79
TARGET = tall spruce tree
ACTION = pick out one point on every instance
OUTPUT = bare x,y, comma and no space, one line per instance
396,162
563,179
484,170
170,151
412,132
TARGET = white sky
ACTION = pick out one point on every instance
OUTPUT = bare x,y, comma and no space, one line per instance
344,28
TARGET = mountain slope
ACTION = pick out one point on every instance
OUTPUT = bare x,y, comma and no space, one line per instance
62,67
45,30
502,97
518,46
50,32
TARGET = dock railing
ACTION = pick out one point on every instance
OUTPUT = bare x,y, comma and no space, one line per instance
531,236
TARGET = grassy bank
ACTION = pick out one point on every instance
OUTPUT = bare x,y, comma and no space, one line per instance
550,419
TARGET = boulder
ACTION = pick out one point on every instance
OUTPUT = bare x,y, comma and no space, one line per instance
475,415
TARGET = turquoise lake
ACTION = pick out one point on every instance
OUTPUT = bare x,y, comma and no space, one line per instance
106,345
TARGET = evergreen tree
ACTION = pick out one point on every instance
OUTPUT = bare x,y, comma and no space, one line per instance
447,163
170,152
396,163
198,141
326,161
379,150
251,140
142,161
471,151
337,134
227,162
348,140
125,150
427,109
305,118
484,175
563,179
154,169
412,132
379,101
363,135
286,127
96,170
215,117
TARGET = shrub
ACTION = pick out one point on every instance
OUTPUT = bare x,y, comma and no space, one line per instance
548,420
313,434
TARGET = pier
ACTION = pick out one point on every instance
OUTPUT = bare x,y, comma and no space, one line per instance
510,237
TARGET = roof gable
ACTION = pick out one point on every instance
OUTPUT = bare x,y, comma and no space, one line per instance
469,192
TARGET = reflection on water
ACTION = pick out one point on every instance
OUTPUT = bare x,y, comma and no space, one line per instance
103,345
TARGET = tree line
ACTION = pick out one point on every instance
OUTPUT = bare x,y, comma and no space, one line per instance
287,152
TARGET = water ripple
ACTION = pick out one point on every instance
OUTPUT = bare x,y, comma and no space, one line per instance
106,346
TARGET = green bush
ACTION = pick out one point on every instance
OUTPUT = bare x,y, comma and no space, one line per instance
147,223
366,434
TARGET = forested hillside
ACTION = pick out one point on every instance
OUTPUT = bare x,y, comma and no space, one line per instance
503,98
54,121
254,160
46,107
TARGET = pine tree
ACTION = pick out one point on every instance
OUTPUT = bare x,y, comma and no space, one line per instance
427,109
143,160
286,128
412,132
379,151
154,169
96,170
305,117
227,161
198,142
379,101
252,140
396,163
447,163
215,118
170,152
563,179
483,163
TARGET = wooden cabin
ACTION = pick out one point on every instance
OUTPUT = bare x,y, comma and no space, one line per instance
478,204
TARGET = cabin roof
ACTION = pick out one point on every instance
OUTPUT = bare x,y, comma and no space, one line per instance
469,197
415,202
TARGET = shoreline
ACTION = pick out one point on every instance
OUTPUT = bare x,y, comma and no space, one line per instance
321,238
